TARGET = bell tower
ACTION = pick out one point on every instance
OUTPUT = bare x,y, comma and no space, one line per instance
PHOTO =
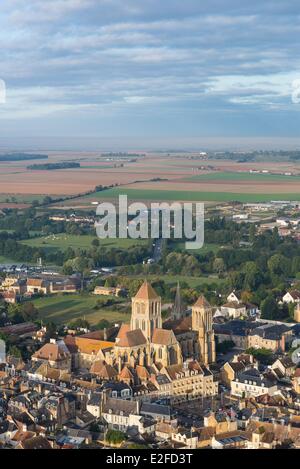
146,311
202,322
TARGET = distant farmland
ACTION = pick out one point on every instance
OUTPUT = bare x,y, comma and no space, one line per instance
244,176
182,195
151,177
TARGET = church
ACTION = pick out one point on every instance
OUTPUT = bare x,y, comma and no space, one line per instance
146,341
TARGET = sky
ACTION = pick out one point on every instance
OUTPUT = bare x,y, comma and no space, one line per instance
150,74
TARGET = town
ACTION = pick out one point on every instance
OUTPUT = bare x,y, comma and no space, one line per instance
154,383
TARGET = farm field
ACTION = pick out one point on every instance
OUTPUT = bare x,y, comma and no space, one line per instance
64,241
148,177
188,195
244,176
63,309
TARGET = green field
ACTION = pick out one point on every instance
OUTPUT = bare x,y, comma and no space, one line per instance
64,241
63,309
243,176
199,196
191,281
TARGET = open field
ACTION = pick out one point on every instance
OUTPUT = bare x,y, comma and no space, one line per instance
244,176
63,309
64,241
191,281
158,176
188,195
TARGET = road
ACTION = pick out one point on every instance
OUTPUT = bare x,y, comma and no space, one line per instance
157,249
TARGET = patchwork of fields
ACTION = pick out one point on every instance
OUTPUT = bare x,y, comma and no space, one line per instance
152,177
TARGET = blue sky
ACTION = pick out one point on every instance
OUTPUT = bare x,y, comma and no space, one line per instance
150,73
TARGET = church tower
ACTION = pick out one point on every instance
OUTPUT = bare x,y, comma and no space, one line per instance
202,322
146,311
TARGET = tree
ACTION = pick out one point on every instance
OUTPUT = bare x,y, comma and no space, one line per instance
29,312
219,265
269,308
115,437
103,324
14,351
95,243
263,355
279,265
252,276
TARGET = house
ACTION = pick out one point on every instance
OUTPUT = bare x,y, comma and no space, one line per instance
230,370
19,287
220,422
283,367
94,404
111,291
233,309
230,440
10,297
251,383
117,389
234,296
235,330
292,296
186,437
69,285
37,286
270,336
36,442
267,435
159,412
190,380
55,353
116,412
8,282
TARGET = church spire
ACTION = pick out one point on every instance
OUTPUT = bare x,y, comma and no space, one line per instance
177,309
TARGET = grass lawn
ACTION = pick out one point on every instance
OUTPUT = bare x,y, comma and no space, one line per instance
191,281
62,309
63,241
160,195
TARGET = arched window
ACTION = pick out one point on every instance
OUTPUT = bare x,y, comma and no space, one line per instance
160,353
143,325
137,325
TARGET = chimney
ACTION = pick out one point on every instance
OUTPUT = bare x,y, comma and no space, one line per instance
105,334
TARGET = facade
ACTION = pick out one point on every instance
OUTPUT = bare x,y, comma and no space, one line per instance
251,383
292,296
233,309
107,291
202,316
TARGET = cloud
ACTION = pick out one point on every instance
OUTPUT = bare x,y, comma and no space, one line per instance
162,59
